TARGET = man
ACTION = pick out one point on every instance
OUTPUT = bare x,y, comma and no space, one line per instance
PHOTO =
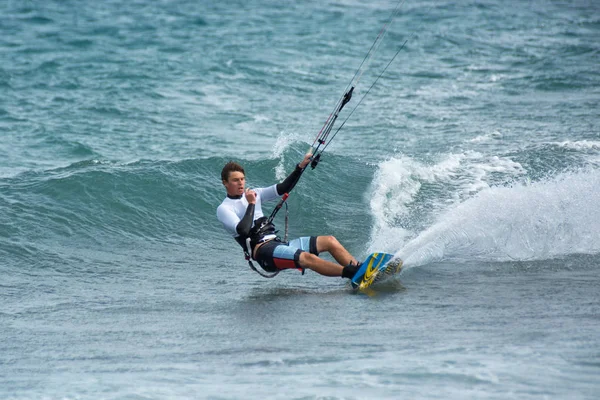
242,216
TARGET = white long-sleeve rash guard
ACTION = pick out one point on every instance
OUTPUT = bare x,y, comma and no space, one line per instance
231,211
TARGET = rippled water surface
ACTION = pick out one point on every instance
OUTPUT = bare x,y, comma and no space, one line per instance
475,158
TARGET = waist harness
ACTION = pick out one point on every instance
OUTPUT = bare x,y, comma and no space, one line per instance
262,227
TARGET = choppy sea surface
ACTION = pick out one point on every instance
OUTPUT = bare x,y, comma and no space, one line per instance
475,158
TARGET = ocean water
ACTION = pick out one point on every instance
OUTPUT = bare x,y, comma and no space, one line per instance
475,158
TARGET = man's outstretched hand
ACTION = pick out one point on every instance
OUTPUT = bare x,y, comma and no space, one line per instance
307,159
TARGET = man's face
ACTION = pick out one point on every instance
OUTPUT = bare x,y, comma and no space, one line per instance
235,183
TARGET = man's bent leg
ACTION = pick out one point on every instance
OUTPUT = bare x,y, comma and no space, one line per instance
320,266
335,248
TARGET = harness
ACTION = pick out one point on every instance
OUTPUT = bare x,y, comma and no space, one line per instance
264,227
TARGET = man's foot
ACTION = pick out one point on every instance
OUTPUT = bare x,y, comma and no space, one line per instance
350,270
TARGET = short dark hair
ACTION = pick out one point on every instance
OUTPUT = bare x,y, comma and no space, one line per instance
231,166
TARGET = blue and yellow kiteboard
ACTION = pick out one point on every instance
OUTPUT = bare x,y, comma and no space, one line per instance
374,269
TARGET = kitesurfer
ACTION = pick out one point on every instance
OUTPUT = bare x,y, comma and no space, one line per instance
242,216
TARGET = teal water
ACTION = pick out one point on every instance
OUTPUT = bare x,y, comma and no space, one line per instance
475,158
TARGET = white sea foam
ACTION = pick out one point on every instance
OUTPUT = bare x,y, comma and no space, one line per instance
539,221
258,118
580,145
487,137
398,182
284,141
215,96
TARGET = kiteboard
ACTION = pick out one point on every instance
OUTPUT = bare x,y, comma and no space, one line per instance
375,268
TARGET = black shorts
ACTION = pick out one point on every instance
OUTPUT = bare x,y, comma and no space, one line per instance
276,255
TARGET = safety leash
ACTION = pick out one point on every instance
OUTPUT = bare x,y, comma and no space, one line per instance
248,258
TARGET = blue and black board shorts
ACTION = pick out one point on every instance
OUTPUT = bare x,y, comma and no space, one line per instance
277,255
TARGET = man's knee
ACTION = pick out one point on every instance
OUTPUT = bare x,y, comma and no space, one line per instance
325,243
